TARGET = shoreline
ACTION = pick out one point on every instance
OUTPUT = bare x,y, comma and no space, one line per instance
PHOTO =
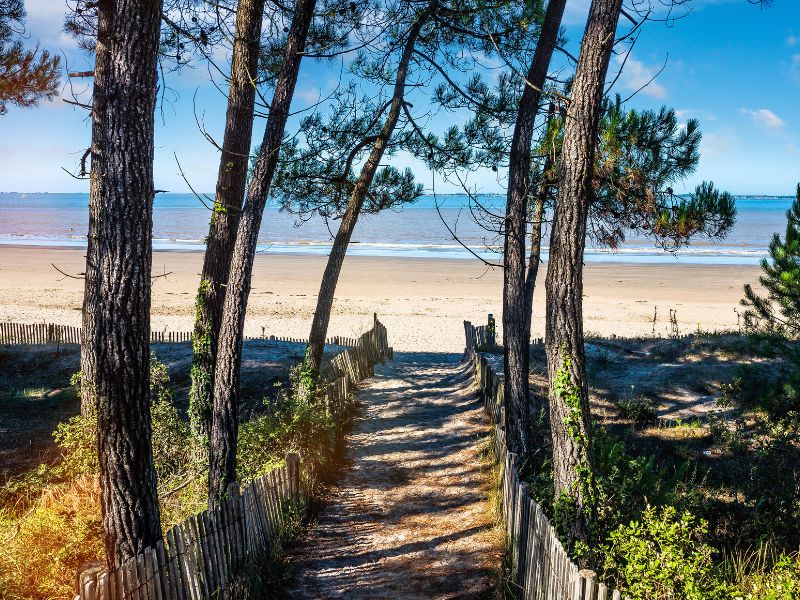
408,293
684,257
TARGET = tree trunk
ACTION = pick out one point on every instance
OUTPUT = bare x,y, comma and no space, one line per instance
537,218
515,342
536,252
569,399
224,425
122,184
327,290
231,179
89,345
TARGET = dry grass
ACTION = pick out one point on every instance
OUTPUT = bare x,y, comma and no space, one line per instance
43,548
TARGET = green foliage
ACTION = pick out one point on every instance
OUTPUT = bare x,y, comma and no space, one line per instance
566,391
772,490
780,581
663,556
76,440
639,410
317,172
774,391
202,366
642,153
296,422
574,503
779,310
26,76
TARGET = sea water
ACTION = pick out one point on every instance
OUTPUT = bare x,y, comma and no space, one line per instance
451,227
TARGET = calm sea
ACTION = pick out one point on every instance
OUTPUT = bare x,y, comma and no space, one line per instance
419,230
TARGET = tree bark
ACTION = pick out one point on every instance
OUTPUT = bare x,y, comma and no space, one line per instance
224,425
327,290
536,252
537,222
231,180
515,342
122,187
89,345
569,399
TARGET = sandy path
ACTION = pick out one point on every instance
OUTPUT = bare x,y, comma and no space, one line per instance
409,518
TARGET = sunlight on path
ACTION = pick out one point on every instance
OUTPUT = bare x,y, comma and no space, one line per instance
409,519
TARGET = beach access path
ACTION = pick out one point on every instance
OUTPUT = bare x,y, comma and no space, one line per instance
410,516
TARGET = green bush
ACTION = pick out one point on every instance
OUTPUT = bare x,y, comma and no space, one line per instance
663,557
625,485
296,422
772,490
639,410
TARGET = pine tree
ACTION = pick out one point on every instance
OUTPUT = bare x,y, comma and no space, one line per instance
225,415
26,76
118,270
228,199
570,421
320,173
779,310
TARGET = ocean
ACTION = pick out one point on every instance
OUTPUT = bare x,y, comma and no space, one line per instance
418,231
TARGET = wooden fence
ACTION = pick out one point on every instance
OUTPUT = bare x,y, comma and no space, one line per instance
38,333
353,365
540,567
480,339
201,555
50,333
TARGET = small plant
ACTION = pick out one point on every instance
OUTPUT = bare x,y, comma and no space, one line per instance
639,410
757,581
674,330
728,438
296,421
662,556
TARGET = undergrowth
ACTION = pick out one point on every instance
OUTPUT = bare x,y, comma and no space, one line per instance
697,525
50,516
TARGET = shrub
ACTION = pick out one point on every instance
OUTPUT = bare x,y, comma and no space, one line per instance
731,439
626,485
639,410
50,523
748,386
772,489
296,422
663,556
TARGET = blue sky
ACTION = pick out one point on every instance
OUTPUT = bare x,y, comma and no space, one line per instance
731,65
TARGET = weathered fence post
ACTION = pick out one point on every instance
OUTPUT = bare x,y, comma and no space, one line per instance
293,470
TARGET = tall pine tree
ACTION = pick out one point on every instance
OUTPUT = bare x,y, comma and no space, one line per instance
779,310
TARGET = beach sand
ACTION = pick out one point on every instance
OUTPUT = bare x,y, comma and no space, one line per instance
422,301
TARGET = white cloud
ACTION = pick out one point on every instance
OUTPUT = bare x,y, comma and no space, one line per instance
791,41
694,113
636,74
719,143
764,117
576,12
45,22
792,148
